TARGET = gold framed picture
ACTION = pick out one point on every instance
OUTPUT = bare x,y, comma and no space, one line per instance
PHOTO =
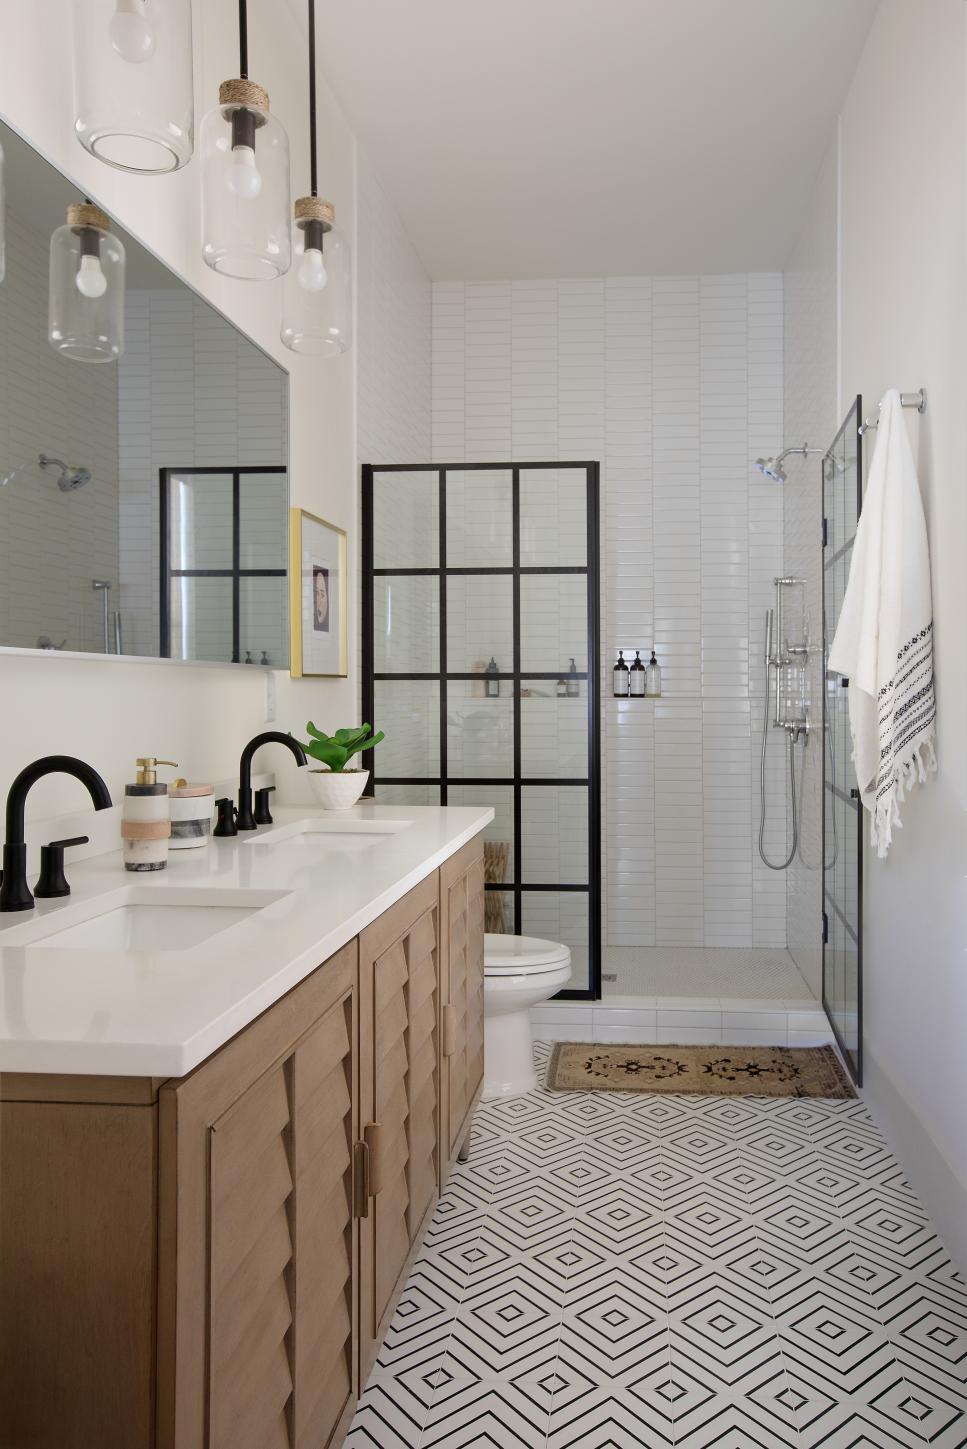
318,597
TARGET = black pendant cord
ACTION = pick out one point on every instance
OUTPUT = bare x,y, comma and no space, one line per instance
243,39
313,182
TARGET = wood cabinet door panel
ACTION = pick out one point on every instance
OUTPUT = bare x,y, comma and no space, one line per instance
257,1274
325,1283
249,1238
462,903
399,977
475,978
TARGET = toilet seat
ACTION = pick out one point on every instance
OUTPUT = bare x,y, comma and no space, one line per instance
522,955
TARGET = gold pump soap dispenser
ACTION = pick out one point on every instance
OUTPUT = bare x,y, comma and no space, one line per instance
145,820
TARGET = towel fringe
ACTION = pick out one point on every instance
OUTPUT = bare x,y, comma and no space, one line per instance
920,762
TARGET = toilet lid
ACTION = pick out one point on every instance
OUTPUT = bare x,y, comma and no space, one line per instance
516,955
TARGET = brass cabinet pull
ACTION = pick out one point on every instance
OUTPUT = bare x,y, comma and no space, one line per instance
361,1173
449,1030
371,1137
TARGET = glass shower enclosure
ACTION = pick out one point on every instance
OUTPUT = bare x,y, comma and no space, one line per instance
480,662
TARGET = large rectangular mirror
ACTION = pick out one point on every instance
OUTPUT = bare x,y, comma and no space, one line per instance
144,501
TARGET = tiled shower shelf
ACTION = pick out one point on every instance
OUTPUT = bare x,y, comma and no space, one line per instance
684,1020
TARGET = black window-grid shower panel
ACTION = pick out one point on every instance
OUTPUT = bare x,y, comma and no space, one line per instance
842,806
236,573
442,675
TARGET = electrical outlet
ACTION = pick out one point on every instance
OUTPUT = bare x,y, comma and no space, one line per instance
269,696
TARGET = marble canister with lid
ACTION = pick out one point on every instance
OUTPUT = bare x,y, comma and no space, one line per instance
192,809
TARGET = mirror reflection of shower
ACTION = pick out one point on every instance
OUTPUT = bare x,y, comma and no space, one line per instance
68,478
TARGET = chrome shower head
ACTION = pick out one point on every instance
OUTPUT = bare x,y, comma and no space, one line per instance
772,468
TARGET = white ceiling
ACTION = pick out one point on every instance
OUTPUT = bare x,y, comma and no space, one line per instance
525,138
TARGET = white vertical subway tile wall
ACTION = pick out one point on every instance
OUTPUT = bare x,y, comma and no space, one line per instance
810,415
675,384
393,426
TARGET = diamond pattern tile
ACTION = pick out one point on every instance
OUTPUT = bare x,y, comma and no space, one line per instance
628,1272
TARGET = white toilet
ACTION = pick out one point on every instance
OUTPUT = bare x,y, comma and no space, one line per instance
519,972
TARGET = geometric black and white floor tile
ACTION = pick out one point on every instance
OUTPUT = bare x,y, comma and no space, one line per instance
622,1271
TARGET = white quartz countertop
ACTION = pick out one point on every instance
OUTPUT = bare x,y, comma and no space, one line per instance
158,1013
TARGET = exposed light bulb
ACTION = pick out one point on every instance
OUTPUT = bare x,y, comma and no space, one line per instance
312,271
131,36
90,280
244,177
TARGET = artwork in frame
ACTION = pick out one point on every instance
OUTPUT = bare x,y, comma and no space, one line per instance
318,583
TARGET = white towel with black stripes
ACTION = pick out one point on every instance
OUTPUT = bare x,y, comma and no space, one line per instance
884,638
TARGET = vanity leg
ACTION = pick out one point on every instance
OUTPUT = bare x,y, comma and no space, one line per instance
464,1154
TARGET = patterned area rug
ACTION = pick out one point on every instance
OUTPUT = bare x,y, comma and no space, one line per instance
718,1071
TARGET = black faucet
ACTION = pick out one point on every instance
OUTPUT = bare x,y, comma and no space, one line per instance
245,819
14,892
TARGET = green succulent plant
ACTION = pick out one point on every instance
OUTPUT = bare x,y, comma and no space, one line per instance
335,750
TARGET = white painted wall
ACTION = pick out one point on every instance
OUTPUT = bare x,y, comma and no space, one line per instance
810,407
904,324
675,384
109,712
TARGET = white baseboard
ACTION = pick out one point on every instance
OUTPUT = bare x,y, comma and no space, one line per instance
647,1021
931,1176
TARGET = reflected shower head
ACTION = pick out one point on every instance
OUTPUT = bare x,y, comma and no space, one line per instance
70,478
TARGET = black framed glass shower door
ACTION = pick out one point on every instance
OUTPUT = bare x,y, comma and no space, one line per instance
842,810
480,592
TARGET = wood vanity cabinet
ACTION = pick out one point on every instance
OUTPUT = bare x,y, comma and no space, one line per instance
211,1262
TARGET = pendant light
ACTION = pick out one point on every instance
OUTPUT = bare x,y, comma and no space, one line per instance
133,103
317,298
86,287
245,179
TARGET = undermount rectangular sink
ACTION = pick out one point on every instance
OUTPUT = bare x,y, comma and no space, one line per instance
330,833
142,918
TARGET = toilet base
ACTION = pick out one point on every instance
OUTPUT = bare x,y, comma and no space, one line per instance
508,1055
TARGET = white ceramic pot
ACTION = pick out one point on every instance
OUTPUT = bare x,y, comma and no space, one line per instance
339,791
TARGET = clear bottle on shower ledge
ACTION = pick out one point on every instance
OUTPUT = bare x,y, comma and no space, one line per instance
493,683
653,678
573,683
636,677
619,675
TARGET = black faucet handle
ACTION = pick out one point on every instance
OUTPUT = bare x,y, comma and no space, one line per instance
52,881
263,815
225,824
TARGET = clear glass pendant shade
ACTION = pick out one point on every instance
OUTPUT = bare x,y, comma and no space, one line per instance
86,320
317,311
133,103
245,186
